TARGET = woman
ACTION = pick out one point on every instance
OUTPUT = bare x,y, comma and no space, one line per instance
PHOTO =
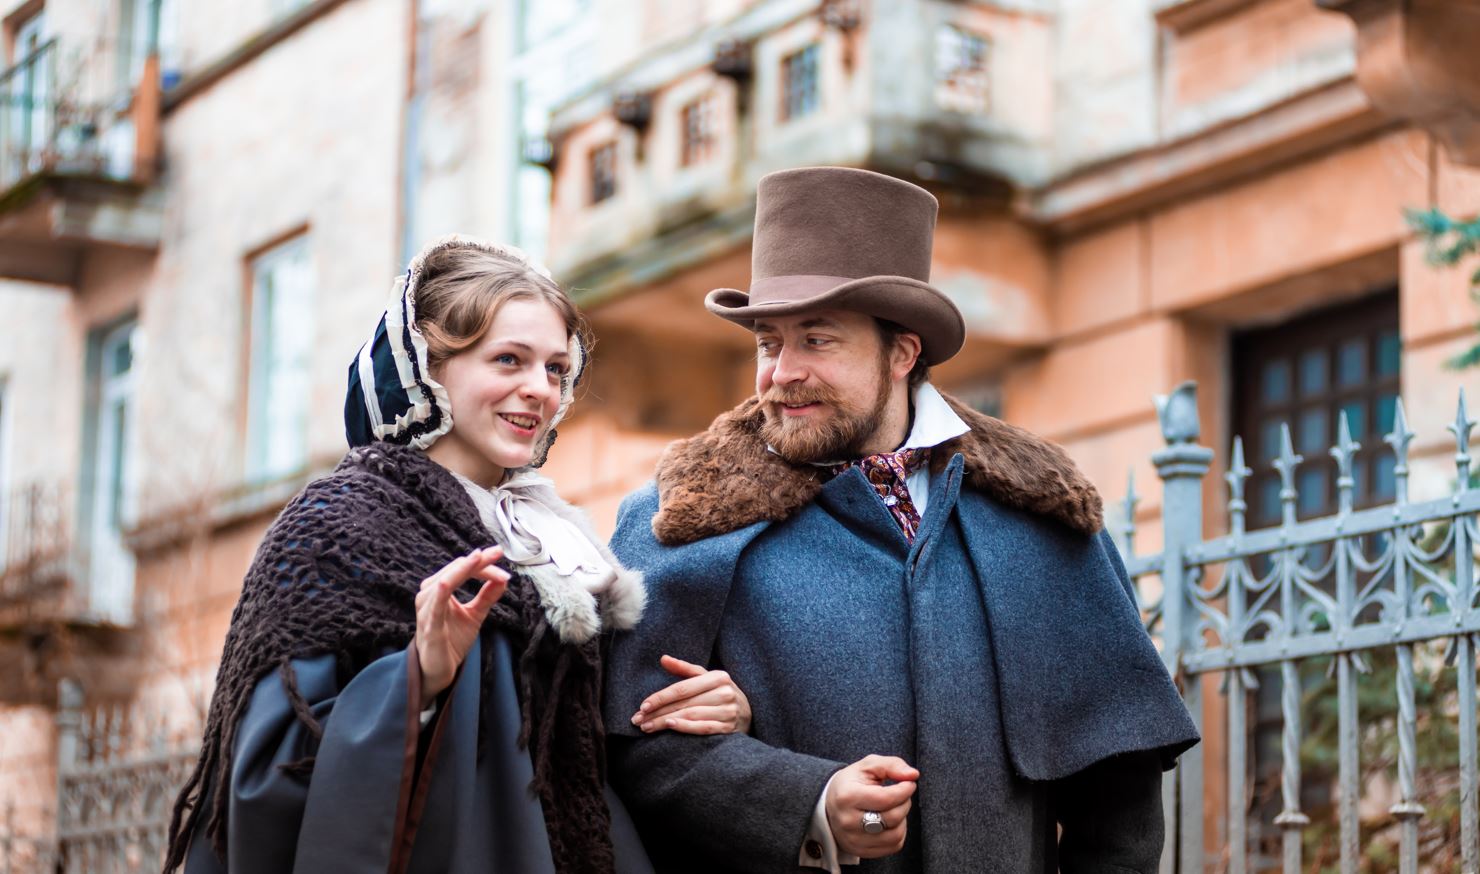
410,680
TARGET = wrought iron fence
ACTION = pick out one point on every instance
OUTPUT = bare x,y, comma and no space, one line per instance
118,769
22,852
1342,591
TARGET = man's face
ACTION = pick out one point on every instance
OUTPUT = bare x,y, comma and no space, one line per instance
824,380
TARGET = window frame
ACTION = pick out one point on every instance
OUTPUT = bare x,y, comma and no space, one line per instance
801,95
603,186
698,130
108,455
1374,317
7,488
258,466
962,87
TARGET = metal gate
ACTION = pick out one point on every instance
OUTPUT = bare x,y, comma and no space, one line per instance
1395,582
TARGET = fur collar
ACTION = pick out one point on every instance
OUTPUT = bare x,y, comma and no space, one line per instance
725,479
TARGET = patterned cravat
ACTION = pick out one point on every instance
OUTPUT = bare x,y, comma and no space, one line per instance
887,473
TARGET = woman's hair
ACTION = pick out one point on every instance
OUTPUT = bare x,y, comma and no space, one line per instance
462,289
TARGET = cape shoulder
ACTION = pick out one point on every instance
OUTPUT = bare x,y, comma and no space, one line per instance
374,488
725,478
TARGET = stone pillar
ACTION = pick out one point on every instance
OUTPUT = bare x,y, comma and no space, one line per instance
1182,466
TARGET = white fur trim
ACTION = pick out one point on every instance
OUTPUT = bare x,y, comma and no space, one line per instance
570,609
575,613
625,600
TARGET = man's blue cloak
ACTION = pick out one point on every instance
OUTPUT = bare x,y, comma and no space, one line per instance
1001,653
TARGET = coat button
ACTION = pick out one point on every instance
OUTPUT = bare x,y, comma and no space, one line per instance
814,850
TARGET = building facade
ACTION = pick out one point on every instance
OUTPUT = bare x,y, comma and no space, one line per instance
202,206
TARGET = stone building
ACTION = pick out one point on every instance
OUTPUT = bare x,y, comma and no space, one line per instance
202,205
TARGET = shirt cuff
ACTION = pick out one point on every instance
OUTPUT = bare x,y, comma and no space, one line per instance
820,849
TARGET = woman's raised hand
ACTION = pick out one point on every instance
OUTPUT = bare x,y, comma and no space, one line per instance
447,627
703,702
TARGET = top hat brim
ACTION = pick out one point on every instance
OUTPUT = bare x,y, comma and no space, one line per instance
916,306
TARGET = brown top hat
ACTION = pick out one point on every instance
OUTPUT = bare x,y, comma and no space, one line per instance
838,238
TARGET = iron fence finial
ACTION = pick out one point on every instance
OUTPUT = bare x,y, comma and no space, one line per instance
1461,428
1344,450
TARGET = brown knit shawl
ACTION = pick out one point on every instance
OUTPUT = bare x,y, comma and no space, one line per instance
338,572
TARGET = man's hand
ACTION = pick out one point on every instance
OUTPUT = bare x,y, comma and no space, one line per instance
861,787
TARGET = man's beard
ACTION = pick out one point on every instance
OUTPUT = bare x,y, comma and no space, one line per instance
841,436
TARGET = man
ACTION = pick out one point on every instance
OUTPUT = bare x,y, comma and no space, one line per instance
939,644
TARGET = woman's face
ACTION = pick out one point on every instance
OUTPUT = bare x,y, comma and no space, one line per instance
504,390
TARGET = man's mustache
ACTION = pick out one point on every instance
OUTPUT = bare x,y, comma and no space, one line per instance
796,395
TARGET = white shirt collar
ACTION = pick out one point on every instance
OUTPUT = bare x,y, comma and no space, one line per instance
935,421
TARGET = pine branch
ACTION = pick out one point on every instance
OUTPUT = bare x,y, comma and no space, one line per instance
1447,242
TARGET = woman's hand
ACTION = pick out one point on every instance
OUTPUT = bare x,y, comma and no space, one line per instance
704,702
446,627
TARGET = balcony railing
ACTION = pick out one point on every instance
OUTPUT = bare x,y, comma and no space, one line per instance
39,557
78,113
50,572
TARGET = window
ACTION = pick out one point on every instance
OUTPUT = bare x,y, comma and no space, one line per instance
699,134
7,496
138,26
603,172
25,98
961,83
282,332
799,83
27,37
1307,372
108,469
146,26
531,189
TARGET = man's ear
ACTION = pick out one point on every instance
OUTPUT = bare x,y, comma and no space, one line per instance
906,351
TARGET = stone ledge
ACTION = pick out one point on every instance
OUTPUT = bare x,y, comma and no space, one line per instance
1302,126
1184,15
1416,61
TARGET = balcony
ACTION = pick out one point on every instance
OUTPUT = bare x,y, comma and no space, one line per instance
64,606
79,145
654,167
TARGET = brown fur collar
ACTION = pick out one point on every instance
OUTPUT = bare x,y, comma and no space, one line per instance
725,479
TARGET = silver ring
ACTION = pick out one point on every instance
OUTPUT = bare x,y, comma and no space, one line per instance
873,822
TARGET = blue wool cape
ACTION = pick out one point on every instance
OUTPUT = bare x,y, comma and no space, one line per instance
1001,653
